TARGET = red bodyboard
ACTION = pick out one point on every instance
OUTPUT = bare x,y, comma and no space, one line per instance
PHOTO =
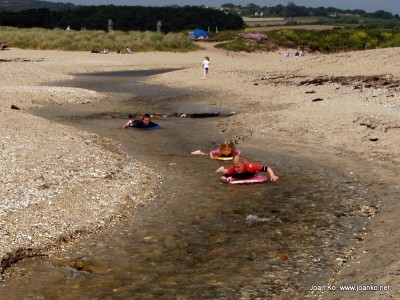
255,179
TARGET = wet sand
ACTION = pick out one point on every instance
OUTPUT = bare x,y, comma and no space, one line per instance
339,110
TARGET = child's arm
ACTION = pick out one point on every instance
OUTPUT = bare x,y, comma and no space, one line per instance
221,170
214,153
226,179
228,174
272,174
126,125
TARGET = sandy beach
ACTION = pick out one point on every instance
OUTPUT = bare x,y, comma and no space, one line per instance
339,110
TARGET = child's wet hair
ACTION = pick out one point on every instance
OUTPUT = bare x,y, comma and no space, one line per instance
239,159
146,116
228,144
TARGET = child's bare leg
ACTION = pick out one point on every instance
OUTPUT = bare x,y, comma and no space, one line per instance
198,152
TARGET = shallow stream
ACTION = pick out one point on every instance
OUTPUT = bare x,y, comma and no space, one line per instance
199,238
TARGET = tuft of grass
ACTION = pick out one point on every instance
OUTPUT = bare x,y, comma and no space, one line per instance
56,39
225,35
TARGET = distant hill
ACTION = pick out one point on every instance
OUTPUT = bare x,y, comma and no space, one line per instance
17,5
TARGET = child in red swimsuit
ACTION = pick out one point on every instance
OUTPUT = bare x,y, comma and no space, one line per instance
242,169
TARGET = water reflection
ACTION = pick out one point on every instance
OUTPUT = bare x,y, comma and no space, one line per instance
200,238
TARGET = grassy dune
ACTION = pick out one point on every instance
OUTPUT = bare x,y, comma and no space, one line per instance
56,39
325,41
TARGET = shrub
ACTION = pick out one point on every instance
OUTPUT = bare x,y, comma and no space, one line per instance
254,36
358,40
289,34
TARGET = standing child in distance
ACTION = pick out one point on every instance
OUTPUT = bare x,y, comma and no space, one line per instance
206,63
242,169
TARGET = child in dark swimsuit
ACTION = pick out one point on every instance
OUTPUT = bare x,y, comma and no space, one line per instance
242,169
144,123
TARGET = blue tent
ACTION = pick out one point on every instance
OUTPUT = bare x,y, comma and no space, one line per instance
198,34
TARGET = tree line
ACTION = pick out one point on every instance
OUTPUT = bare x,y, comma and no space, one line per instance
125,18
292,10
